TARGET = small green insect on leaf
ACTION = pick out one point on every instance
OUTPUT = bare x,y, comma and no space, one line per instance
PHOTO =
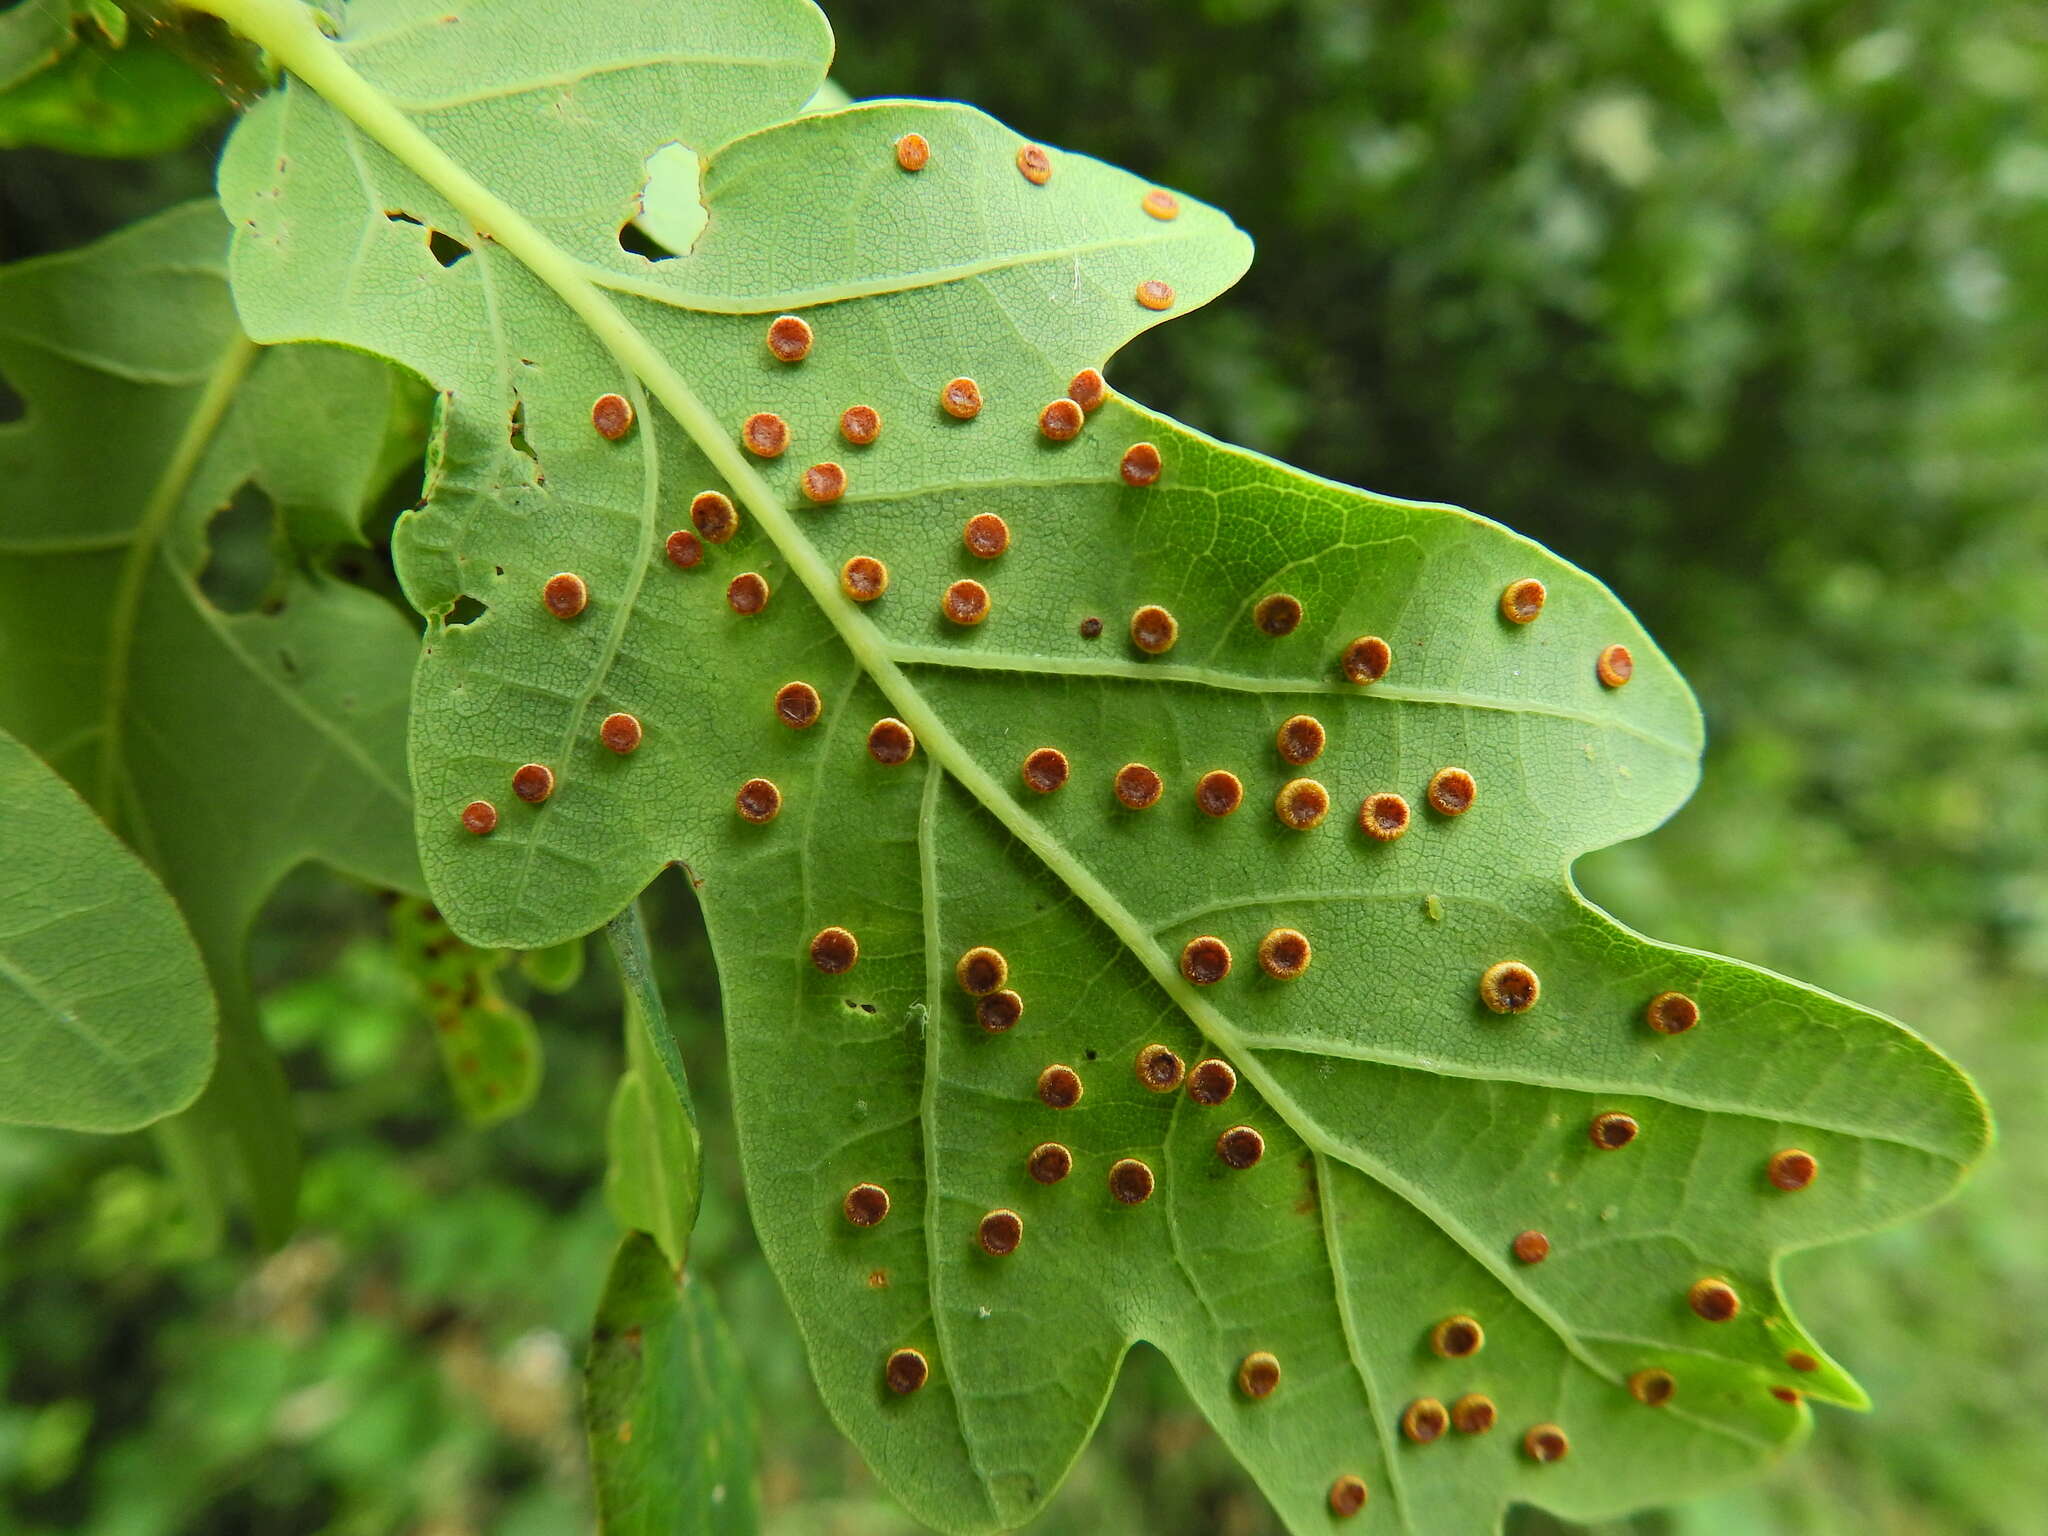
666,1407
489,1047
226,748
1220,817
106,1020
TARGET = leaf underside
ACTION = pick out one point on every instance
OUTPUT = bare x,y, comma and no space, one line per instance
1409,1133
226,748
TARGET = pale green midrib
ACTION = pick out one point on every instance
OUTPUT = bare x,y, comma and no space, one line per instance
928,1106
1382,1418
157,512
1403,1062
839,293
286,29
1208,677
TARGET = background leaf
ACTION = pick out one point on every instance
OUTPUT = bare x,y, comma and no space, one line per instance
148,410
671,1433
1408,1134
488,1046
106,1020
653,1167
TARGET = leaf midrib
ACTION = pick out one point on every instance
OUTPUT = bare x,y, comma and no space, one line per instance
287,31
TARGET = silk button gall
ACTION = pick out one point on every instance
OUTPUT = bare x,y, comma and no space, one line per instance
835,951
1045,770
1301,804
986,535
685,549
1615,666
1158,1068
1061,420
1277,615
1452,791
480,817
1241,1147
1457,1337
612,415
798,706
965,603
865,1205
1258,1374
1137,787
1155,294
1284,953
981,970
999,1011
1087,389
1205,961
1049,1162
1154,630
1714,1300
1473,1414
1366,659
1140,465
789,338
1000,1233
1612,1131
1522,601
1299,741
906,1371
1035,164
533,782
961,399
713,515
747,594
758,801
1383,817
765,435
565,595
1545,1443
1425,1420
890,742
1653,1387
1672,1013
1130,1181
1212,1082
1508,986
864,578
860,425
1531,1247
1059,1086
1347,1495
1219,793
1161,204
1792,1170
620,732
913,152
824,483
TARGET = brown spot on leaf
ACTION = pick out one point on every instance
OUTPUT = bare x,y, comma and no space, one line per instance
1278,614
906,1371
758,800
1508,986
834,951
1219,793
1212,1082
1087,389
986,535
480,817
1155,294
1793,1169
1301,804
1035,164
1205,961
913,151
1546,1442
1785,1394
1049,1162
1367,658
1615,666
878,1279
620,732
1672,1013
864,578
1241,1147
961,399
1653,1386
565,595
789,338
1612,1131
1059,1087
1473,1414
1800,1360
1000,1233
1158,1068
1258,1374
1300,739
765,435
1522,601
865,1204
890,742
1061,420
1091,628
860,424
1425,1420
824,483
1130,1181
981,970
747,593
965,603
1457,1336
1141,464
1715,1300
1284,953
713,515
533,782
1045,769
797,705
685,549
1137,786
999,1011
612,415
1451,791
1531,1247
1383,817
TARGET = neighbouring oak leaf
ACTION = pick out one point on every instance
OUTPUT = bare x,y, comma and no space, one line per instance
1315,1190
106,1020
226,748
489,1047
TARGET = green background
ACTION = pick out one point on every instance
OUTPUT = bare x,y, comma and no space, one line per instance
1738,305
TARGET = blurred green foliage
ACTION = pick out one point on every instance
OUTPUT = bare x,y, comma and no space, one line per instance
1743,304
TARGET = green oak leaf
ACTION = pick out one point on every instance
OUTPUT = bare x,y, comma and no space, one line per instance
1408,1132
489,1047
225,748
106,1020
672,1437
653,1178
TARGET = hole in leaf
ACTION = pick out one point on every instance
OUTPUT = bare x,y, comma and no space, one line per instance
636,241
672,211
467,610
446,249
241,566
